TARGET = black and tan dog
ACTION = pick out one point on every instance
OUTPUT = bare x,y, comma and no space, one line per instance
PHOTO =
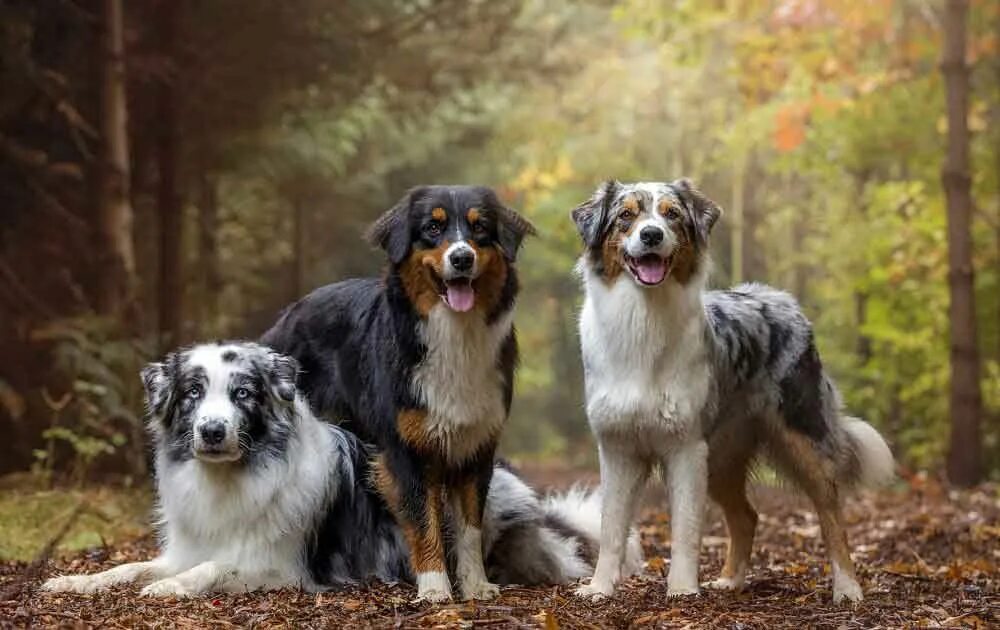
421,362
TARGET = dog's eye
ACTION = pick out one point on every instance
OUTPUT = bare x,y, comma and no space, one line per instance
242,393
673,213
193,392
478,228
433,228
626,215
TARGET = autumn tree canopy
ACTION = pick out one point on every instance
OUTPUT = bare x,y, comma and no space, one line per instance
262,137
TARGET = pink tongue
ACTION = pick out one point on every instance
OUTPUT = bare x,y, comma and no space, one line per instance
651,269
460,296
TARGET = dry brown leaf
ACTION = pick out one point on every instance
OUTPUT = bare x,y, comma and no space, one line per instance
546,620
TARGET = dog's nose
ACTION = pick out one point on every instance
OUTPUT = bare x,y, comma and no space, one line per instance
213,432
651,236
462,259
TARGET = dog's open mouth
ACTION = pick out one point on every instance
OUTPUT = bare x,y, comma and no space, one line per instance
649,269
458,294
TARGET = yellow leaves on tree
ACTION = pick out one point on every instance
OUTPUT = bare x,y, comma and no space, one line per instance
535,181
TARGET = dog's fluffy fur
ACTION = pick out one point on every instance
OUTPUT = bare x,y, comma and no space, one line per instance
277,497
702,383
421,363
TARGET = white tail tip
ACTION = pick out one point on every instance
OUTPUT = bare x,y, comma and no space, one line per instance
877,467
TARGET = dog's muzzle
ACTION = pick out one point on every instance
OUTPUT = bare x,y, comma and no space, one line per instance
459,272
649,254
215,440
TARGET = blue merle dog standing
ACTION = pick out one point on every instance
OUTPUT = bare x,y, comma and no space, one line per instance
703,383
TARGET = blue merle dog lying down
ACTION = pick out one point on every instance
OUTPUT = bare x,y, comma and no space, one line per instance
256,492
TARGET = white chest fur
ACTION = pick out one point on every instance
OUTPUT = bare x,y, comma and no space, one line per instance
255,519
459,380
645,357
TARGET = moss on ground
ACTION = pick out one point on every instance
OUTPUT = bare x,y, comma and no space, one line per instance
31,515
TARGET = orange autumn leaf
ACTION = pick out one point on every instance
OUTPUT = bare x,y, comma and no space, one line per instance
789,128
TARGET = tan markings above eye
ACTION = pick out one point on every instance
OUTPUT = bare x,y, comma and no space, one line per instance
438,214
472,215
631,203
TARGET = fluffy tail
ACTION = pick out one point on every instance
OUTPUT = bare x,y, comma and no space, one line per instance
554,540
581,510
869,462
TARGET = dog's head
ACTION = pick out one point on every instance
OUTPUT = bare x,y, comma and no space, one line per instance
654,230
221,402
455,243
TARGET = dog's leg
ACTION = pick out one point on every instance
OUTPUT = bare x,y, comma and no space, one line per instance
817,476
728,462
622,476
687,475
207,577
416,498
469,499
141,572
845,581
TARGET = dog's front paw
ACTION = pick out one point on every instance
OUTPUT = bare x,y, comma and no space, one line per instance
726,584
85,584
433,587
433,596
846,589
169,587
679,588
482,590
596,590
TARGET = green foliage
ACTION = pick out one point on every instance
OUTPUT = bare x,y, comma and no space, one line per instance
96,415
307,121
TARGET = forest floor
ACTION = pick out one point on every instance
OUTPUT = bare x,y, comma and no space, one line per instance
928,557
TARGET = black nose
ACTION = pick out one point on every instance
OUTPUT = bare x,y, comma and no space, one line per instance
462,259
651,236
213,432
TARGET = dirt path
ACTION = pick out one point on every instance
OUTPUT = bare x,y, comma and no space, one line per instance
928,557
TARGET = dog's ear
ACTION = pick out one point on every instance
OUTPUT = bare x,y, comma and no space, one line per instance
704,211
158,386
593,216
511,226
391,231
281,372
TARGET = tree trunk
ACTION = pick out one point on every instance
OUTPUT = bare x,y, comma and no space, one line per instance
208,258
996,164
863,347
754,265
116,274
965,450
168,202
736,214
298,267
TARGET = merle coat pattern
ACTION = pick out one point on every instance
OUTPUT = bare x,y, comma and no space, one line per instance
289,501
702,383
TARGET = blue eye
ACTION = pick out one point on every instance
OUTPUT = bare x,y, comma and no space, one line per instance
193,392
242,393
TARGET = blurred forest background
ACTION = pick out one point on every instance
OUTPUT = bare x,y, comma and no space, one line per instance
173,170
